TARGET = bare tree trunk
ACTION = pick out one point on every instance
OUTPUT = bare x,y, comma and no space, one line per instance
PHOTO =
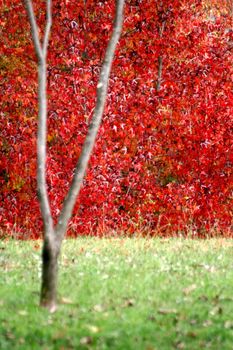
53,236
48,297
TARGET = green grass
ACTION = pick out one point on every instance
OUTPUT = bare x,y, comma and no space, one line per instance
120,294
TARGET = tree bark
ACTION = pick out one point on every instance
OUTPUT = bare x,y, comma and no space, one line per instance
48,297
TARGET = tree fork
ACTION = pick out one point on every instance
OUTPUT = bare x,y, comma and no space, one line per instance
53,237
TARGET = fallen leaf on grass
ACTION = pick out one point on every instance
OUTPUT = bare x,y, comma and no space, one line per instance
59,335
180,345
210,268
192,334
193,322
227,299
152,318
206,267
50,320
217,310
86,340
129,303
207,323
10,335
189,289
105,277
203,298
228,324
98,308
167,311
150,347
66,301
22,312
93,329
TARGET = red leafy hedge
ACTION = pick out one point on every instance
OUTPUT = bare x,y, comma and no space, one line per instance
163,160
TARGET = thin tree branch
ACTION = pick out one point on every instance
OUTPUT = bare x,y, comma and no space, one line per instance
47,27
89,142
160,70
42,116
160,60
34,29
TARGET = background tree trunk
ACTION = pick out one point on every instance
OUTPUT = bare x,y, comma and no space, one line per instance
160,60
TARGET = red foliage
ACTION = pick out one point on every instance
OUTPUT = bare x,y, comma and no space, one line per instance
163,160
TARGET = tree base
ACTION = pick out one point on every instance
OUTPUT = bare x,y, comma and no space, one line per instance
51,306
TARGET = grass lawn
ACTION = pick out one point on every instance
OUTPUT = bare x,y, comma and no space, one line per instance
140,294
